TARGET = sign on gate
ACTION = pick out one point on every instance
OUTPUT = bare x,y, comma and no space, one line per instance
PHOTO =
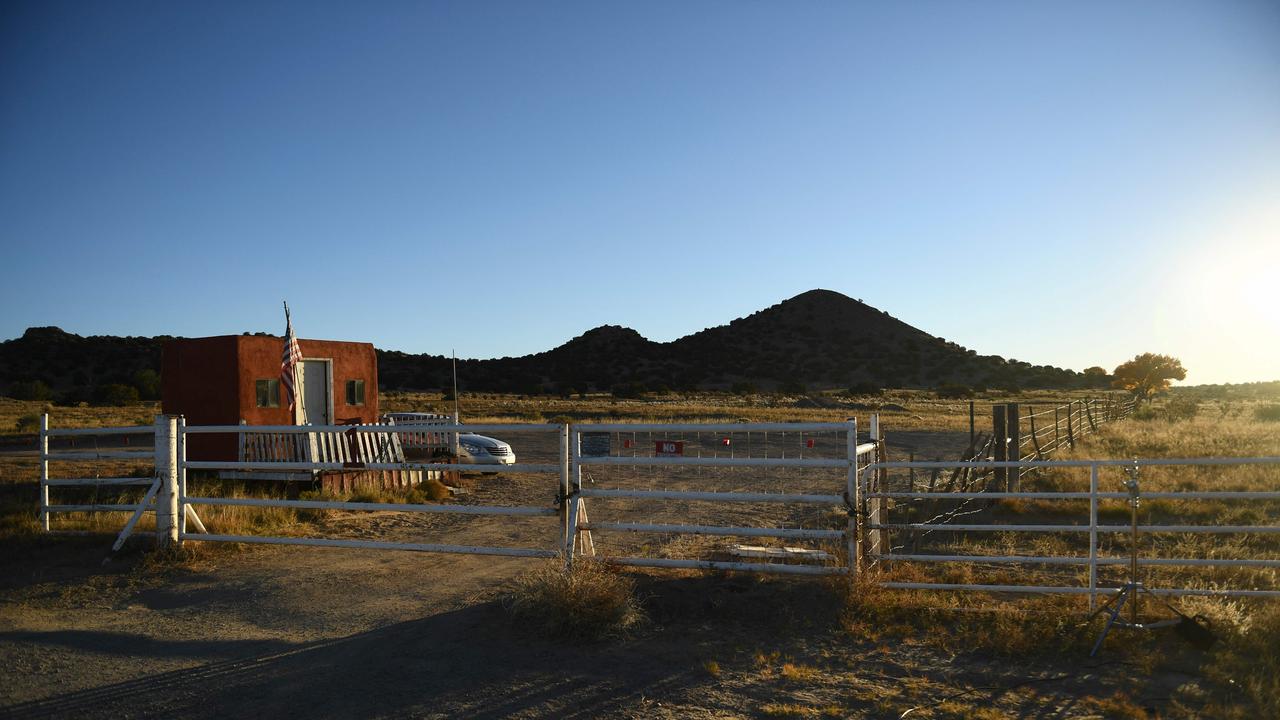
668,447
595,444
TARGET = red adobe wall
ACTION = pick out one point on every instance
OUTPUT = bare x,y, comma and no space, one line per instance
212,382
198,377
260,360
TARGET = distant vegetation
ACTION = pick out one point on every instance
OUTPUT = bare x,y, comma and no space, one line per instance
1148,374
819,340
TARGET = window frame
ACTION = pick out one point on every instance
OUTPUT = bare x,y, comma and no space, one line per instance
273,399
355,392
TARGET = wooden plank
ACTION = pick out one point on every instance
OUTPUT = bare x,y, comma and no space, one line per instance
133,519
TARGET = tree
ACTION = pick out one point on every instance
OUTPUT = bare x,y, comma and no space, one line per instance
147,381
1096,377
1148,374
33,390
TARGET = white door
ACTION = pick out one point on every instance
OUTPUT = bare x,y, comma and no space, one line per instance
315,391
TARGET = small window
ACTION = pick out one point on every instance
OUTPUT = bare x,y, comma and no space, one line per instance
268,392
355,392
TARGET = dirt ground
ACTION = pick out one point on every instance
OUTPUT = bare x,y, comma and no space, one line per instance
318,632
299,632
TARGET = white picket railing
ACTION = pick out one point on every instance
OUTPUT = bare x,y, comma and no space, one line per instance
368,447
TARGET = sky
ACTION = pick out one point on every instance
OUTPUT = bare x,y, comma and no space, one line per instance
1067,183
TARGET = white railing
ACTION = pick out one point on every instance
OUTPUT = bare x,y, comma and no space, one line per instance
153,484
1089,525
863,492
370,447
321,445
579,537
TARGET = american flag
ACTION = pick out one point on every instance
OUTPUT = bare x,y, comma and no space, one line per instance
289,361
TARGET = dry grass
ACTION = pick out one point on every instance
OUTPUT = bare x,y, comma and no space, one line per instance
899,409
967,622
590,602
797,710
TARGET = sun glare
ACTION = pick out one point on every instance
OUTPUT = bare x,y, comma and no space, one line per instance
1227,305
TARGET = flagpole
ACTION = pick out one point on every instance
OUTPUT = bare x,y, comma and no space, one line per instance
456,413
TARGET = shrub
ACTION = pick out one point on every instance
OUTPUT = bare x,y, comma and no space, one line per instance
147,382
33,390
28,423
865,388
1181,408
434,490
590,602
1144,413
629,391
742,388
953,391
792,387
115,394
561,420
1267,413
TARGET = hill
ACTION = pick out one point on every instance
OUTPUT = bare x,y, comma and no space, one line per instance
818,339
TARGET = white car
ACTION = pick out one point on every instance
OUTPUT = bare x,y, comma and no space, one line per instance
472,448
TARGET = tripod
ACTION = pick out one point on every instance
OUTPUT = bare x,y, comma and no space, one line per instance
1133,590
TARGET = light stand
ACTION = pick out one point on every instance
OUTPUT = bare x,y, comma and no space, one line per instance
1132,591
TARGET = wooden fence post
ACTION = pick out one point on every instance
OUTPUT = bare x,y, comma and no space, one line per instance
1071,435
167,473
1088,409
1057,438
1035,437
1014,426
1000,443
970,423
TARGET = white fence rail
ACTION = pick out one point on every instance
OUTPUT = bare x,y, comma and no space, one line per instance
376,439
48,508
859,488
579,537
1088,524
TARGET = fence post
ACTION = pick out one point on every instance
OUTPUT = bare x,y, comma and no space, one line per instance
575,478
1071,435
564,479
1057,439
44,471
167,472
180,467
1000,443
971,435
1093,535
1088,409
852,501
1035,436
1013,425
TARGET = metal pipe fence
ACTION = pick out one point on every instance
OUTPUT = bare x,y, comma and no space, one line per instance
848,475
552,542
1088,524
669,453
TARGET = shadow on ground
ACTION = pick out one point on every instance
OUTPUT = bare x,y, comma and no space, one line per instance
471,662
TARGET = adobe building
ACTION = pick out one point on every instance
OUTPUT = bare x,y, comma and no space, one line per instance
235,379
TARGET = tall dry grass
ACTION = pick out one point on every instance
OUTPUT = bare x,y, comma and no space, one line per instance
590,602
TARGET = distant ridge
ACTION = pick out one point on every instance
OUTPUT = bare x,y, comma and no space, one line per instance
816,340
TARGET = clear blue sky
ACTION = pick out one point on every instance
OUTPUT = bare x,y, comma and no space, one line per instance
500,177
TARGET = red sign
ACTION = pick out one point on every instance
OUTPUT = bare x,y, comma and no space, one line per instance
626,443
724,441
668,447
808,443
